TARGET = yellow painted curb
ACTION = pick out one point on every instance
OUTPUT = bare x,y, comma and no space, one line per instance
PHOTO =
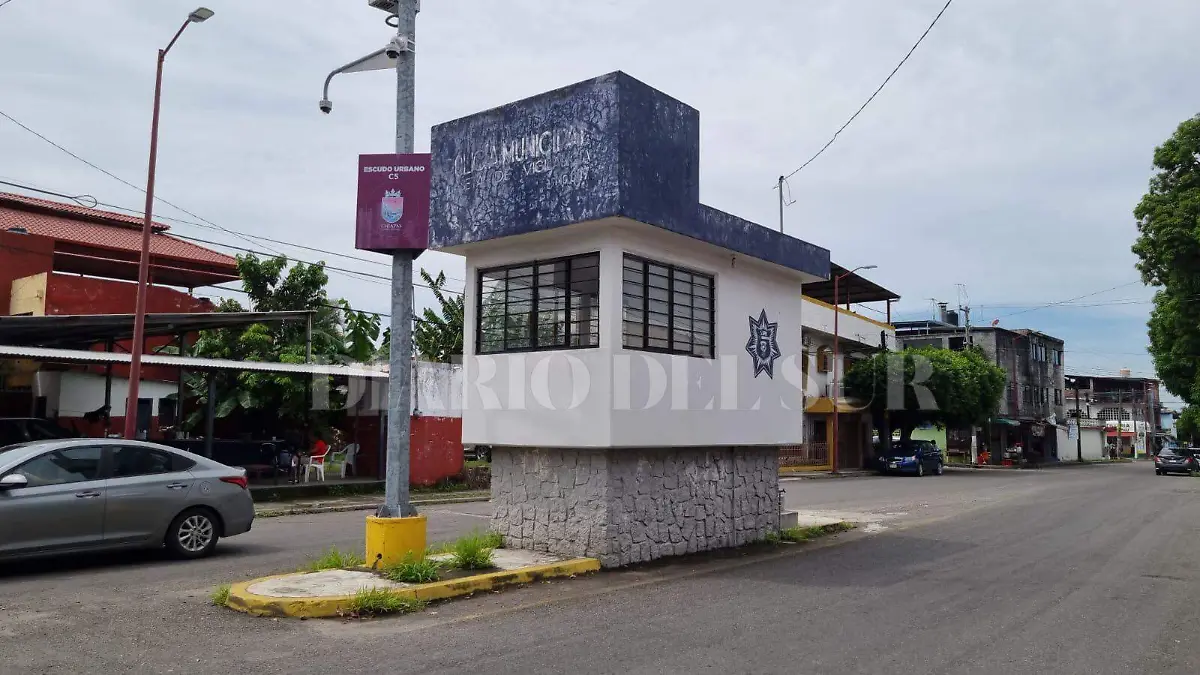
242,600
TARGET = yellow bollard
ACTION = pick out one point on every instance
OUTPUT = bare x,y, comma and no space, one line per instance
391,540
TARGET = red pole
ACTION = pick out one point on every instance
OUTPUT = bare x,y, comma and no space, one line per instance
139,319
833,446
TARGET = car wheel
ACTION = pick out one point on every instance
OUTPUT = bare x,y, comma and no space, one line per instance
193,534
940,469
1158,472
920,469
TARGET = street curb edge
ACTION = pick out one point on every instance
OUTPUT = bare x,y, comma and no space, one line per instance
242,600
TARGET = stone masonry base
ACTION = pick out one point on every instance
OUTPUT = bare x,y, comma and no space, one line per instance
629,505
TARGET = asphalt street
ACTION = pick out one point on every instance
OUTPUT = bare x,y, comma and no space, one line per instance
1085,570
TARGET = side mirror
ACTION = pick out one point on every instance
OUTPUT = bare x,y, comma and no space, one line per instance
12,481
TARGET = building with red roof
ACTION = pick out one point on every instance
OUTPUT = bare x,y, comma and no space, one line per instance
64,259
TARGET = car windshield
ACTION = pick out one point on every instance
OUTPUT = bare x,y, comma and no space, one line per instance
44,429
900,449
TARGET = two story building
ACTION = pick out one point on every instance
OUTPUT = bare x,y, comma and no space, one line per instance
859,334
1128,407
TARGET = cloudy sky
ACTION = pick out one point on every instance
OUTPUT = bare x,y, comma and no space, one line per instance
1006,156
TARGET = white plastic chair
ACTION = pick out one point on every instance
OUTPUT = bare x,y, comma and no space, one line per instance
316,462
349,453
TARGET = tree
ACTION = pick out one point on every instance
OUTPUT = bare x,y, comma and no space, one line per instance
1168,251
966,387
1187,427
271,286
362,330
438,335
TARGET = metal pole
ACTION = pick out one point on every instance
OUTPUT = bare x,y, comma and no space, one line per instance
139,317
833,446
781,179
395,501
210,418
108,370
1078,425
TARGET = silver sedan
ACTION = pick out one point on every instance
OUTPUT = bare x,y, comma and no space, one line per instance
87,494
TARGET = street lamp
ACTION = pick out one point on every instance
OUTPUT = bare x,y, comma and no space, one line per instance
398,54
836,394
199,15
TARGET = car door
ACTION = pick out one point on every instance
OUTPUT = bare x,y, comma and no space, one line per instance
146,489
61,507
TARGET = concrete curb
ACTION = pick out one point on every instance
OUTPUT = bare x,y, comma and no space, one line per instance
338,508
1056,465
819,475
242,600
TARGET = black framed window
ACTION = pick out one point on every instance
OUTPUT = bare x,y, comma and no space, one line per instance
544,304
666,308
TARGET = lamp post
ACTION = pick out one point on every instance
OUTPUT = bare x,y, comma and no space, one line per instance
399,54
833,447
200,14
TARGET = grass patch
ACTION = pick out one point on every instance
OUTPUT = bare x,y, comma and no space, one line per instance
220,595
474,551
333,559
443,486
413,571
805,533
377,601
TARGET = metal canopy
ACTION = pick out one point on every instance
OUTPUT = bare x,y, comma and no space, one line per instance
83,356
853,288
90,329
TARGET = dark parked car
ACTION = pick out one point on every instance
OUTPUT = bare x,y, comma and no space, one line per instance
1177,460
915,457
25,429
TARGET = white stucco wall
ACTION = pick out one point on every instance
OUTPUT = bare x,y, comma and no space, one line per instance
80,393
1092,442
609,396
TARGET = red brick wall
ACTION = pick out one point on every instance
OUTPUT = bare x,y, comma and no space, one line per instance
68,294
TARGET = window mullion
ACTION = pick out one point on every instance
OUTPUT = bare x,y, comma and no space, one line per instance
670,309
533,308
567,305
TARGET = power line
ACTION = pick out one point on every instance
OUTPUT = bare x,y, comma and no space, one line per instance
4,2
1064,302
270,252
875,93
117,178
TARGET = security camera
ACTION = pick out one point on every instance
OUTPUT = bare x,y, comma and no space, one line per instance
326,106
397,46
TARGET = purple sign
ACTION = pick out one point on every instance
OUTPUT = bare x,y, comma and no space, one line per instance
393,203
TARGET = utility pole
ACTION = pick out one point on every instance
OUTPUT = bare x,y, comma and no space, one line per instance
1078,424
781,179
396,498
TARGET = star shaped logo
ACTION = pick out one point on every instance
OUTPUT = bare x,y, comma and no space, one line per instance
762,345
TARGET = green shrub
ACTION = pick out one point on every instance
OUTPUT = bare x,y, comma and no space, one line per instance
474,551
220,595
804,533
376,601
333,559
413,571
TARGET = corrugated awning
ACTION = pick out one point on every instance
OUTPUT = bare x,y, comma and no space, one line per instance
84,330
49,355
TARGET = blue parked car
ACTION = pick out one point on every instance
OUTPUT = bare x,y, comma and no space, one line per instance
915,457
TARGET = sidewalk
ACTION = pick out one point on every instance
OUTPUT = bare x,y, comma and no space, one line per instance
363,503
